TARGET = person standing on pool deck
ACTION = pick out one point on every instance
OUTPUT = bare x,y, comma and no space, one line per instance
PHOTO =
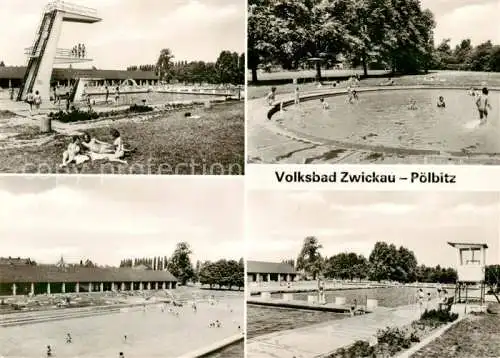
107,94
483,104
297,96
420,299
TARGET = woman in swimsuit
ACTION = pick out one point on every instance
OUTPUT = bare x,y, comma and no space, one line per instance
96,146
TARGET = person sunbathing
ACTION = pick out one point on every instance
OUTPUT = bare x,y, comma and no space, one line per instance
96,146
72,153
113,154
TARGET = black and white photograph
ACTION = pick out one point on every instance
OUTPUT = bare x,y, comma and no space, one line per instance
372,274
121,267
122,87
373,82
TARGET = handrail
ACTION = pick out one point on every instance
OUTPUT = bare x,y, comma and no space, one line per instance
60,51
68,7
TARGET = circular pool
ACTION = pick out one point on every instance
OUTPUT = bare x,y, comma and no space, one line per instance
381,120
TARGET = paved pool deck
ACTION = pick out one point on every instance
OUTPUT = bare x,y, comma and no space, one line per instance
319,340
268,142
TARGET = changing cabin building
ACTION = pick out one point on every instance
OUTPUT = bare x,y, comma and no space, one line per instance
24,277
261,271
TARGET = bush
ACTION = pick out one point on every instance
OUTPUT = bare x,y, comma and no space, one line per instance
75,115
438,316
394,338
360,349
137,108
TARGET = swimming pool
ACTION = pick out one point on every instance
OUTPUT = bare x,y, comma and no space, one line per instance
381,120
263,320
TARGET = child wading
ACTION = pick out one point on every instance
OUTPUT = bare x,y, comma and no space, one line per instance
483,104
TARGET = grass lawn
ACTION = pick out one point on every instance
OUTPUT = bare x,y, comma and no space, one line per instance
475,336
442,78
213,144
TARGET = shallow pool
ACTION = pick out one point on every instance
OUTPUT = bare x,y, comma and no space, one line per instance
386,296
382,119
263,320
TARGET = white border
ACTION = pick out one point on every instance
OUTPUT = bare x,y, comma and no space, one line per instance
467,177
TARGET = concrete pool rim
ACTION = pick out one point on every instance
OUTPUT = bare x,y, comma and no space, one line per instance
315,140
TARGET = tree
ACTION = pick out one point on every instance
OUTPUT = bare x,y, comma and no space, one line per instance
309,259
180,264
89,263
2,64
164,64
228,68
224,273
261,36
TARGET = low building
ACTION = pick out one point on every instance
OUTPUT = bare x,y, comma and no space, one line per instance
261,271
14,75
16,279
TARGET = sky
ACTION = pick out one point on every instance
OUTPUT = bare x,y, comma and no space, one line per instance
132,32
108,219
462,19
348,221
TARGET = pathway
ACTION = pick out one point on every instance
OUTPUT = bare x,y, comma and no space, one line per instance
318,340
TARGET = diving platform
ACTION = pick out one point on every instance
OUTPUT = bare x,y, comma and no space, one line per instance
43,54
74,13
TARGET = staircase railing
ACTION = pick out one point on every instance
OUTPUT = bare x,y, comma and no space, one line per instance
41,48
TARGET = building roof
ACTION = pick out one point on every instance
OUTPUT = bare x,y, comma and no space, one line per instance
462,245
15,260
17,72
52,273
269,267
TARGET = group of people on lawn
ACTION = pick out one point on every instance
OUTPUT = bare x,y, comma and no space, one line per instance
81,150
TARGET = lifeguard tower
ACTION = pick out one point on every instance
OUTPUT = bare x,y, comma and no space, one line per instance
471,268
44,53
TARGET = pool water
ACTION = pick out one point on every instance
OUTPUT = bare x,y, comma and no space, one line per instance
155,97
382,119
386,296
263,320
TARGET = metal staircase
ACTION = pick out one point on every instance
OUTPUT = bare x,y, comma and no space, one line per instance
35,57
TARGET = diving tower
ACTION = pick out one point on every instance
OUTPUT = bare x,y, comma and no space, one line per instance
44,53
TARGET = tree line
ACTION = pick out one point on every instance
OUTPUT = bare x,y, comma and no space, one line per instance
222,273
465,57
157,263
386,262
394,34
228,69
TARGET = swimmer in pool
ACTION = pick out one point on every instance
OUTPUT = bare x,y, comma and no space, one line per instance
412,105
324,104
441,103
